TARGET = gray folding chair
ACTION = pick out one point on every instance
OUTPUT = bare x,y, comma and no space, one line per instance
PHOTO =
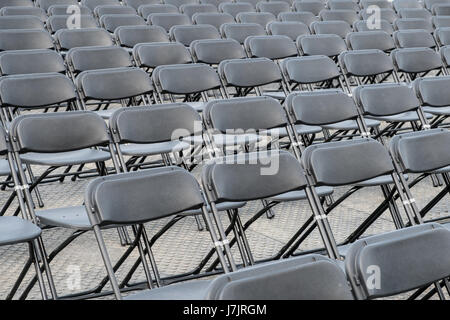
137,3
168,20
63,9
290,29
413,23
384,14
363,40
179,3
421,13
67,39
191,9
442,36
46,4
340,28
112,21
261,18
441,9
215,19
23,3
303,17
414,39
213,52
24,11
272,47
343,5
55,23
329,45
404,4
380,3
30,61
441,22
148,56
399,261
240,31
383,26
313,6
235,8
349,16
21,22
146,10
273,7
187,34
91,4
25,40
129,36
100,11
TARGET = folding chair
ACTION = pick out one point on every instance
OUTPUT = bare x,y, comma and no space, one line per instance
252,2
416,62
366,66
273,7
129,36
23,3
187,34
179,3
262,18
46,4
270,281
271,47
313,6
112,21
63,9
213,2
442,36
146,10
91,4
429,4
235,8
31,61
100,11
349,16
21,22
303,17
168,20
394,258
385,14
291,29
191,9
67,39
214,19
173,80
213,52
441,22
413,23
441,9
308,72
116,190
25,40
420,13
92,58
137,3
363,26
329,45
414,39
343,5
340,28
24,11
405,4
380,3
55,23
433,97
148,56
370,40
240,31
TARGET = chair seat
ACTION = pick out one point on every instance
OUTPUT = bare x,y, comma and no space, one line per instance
65,158
351,124
442,170
134,149
192,290
437,111
300,128
105,114
222,140
378,181
68,217
16,230
402,117
198,105
301,195
223,206
279,95
5,170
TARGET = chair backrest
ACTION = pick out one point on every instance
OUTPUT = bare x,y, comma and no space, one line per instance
25,40
414,39
215,19
55,23
310,69
304,17
235,8
216,51
341,28
330,45
91,4
348,16
91,58
158,123
386,99
24,11
445,55
441,22
20,22
113,84
320,107
365,62
46,4
364,26
319,277
401,4
273,7
191,9
422,151
63,9
99,11
36,90
146,10
58,132
107,199
72,38
111,21
380,3
370,40
244,114
291,29
31,61
430,3
442,36
421,13
187,34
413,23
262,18
186,78
249,72
271,47
251,176
137,3
313,6
240,31
432,91
129,36
347,162
179,3
442,9
168,20
386,14
343,5
401,260
152,55
412,60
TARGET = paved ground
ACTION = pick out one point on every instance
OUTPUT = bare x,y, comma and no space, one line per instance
79,267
